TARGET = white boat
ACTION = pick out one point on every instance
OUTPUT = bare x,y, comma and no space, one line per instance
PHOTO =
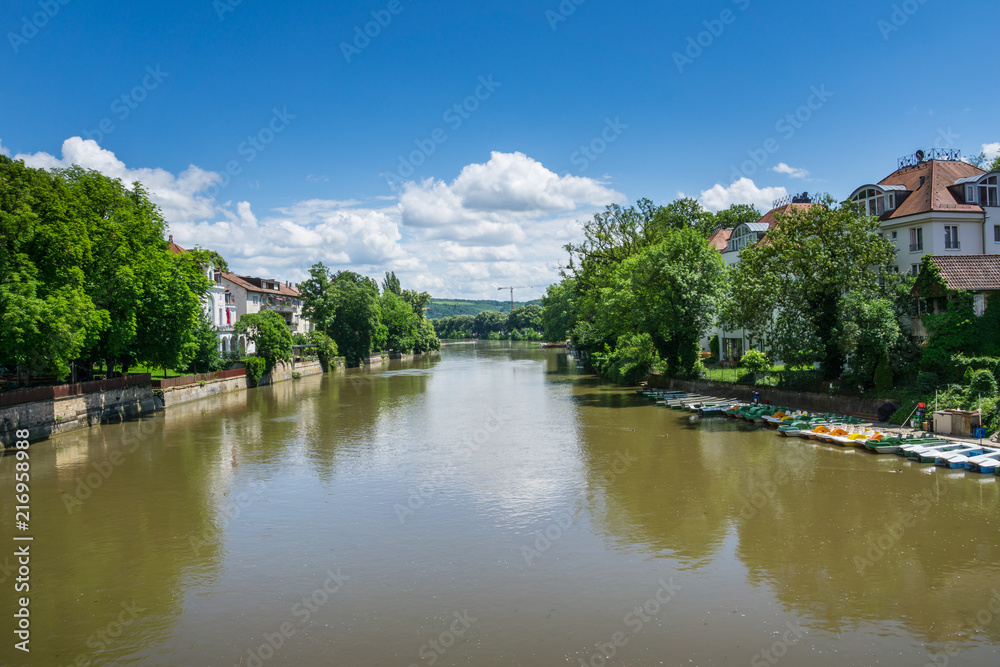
956,458
972,462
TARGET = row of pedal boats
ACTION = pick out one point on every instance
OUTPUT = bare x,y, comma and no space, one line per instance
840,430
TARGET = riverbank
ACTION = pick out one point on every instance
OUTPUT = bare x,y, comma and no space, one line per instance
134,399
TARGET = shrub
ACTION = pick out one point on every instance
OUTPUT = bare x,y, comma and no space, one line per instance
296,375
927,382
755,361
326,349
883,376
713,347
255,370
982,384
629,362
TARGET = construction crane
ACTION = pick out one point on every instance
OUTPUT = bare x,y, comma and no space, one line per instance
500,289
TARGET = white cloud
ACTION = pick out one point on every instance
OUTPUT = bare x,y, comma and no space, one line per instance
992,151
794,172
3,150
503,222
743,191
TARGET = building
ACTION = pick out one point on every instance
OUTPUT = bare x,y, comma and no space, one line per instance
232,296
218,304
253,295
935,204
978,275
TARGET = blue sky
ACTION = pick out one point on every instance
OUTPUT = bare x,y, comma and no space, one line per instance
358,156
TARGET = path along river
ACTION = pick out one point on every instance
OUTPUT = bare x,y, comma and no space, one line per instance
491,506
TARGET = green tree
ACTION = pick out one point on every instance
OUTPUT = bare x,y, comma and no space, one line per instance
557,312
525,317
805,265
391,284
735,215
326,349
400,321
206,358
356,325
318,299
269,334
489,321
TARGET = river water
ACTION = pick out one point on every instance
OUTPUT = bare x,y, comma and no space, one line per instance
495,505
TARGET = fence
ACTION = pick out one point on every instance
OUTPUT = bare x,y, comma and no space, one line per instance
19,396
193,379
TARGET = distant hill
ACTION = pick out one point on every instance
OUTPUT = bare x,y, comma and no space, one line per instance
438,308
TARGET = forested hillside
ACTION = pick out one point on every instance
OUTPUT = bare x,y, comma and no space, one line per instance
438,308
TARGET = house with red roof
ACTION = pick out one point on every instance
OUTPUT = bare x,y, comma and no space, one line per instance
935,204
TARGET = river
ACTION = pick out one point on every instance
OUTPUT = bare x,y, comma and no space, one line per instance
495,505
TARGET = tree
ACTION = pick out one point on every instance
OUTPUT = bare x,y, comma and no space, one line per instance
418,301
525,317
487,322
356,324
391,284
557,312
803,268
400,321
269,334
670,292
206,358
326,349
687,213
318,303
735,215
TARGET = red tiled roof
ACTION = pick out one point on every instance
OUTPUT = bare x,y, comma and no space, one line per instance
720,239
934,195
975,273
252,284
771,217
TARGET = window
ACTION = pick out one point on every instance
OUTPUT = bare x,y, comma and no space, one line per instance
970,194
989,192
894,235
916,239
951,237
979,304
914,269
996,233
870,201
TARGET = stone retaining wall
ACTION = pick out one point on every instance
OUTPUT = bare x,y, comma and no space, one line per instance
196,392
52,417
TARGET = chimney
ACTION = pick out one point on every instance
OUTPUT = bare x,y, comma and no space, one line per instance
171,240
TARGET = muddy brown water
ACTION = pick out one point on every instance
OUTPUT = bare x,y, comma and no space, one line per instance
493,506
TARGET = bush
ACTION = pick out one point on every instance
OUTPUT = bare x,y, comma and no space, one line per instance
982,384
255,370
883,376
629,362
755,361
927,382
713,347
326,349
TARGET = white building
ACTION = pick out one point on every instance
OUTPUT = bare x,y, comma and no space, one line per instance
218,304
935,204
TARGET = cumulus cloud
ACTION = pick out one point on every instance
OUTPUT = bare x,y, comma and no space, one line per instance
3,150
794,172
743,191
502,222
992,151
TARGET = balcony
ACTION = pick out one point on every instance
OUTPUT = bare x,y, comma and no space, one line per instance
278,304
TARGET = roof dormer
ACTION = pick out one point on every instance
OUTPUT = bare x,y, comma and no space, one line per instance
877,200
983,189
